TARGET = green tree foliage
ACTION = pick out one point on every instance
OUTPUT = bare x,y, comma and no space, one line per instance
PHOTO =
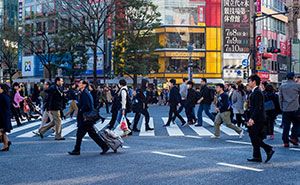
135,38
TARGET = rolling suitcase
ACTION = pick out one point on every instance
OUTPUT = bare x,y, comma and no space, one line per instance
112,139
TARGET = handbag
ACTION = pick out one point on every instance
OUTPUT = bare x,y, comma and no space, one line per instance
91,116
269,105
124,125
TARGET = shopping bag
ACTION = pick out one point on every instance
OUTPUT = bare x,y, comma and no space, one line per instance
124,125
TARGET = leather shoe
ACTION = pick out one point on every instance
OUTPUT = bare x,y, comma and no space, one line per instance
104,151
74,153
269,155
60,139
147,129
135,130
254,159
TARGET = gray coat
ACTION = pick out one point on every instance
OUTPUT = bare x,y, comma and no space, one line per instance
238,102
289,96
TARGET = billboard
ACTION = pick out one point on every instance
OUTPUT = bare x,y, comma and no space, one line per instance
236,25
28,66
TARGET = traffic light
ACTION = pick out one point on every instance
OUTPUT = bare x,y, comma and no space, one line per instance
273,50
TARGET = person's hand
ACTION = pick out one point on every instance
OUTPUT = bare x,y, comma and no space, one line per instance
250,123
199,101
167,103
123,112
217,109
179,104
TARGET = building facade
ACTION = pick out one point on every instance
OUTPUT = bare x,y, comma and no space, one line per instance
184,23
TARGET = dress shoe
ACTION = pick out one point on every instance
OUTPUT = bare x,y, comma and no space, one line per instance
294,142
4,149
269,155
149,129
135,130
104,151
20,125
102,120
286,145
254,159
198,125
74,153
130,134
215,137
60,139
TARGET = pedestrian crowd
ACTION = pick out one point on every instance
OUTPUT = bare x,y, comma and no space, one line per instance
253,108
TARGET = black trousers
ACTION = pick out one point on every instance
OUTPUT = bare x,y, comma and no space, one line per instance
183,105
107,107
257,135
239,120
92,133
173,110
16,114
138,116
113,120
190,113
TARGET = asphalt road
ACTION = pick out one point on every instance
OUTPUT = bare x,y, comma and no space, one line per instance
161,158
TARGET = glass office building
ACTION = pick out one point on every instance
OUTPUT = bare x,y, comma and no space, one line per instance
9,12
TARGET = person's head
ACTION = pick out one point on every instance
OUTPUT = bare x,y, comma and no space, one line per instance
15,86
233,87
190,84
47,84
203,81
22,86
185,80
122,83
253,81
145,83
117,88
263,85
291,76
269,88
73,85
83,84
172,82
59,81
238,83
92,87
241,89
4,88
220,88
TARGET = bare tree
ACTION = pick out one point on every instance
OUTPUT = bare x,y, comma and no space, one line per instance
9,50
89,19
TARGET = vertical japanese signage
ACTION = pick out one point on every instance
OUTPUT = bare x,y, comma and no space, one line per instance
258,7
236,18
258,54
201,15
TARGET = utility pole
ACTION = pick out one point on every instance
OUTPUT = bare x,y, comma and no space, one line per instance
190,66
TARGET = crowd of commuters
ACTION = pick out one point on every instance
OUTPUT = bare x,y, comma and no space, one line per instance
253,107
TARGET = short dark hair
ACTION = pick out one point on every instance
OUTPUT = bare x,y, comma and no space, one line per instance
85,82
269,88
255,78
221,86
15,84
5,89
48,82
185,79
122,82
173,81
57,79
93,87
204,79
190,83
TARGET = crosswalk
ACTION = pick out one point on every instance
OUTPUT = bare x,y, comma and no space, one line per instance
69,128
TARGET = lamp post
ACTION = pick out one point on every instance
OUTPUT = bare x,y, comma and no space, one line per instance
190,65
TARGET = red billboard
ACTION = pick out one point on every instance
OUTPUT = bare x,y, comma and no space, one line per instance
263,75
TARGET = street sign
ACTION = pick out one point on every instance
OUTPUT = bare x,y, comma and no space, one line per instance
245,62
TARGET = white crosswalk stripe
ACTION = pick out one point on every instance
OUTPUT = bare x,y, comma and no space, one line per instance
25,131
173,129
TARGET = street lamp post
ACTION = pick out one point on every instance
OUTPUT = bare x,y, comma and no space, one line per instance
190,65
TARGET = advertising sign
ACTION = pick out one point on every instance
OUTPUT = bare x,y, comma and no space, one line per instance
263,75
201,15
28,66
258,7
236,31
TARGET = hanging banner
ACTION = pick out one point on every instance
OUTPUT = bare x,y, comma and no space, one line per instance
201,15
236,33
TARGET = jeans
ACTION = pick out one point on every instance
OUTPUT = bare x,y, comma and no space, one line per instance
287,119
206,108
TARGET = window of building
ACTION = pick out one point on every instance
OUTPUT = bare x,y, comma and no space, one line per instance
180,65
39,9
52,26
28,11
183,39
29,1
40,27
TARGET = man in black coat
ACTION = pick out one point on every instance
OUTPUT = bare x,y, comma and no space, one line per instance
55,106
141,106
192,98
86,105
257,121
174,100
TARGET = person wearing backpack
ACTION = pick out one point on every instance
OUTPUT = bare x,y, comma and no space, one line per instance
174,100
206,97
191,101
141,106
86,105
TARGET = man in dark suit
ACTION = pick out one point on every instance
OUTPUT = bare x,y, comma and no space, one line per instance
174,100
86,105
257,121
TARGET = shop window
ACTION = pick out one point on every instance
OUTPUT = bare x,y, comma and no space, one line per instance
180,65
183,39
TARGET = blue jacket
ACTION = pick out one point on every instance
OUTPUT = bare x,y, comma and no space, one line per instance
174,97
5,114
85,105
223,102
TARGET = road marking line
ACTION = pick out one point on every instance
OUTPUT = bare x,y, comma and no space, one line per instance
143,128
197,137
238,142
32,124
101,125
295,149
167,154
201,131
223,128
68,130
173,129
240,167
30,134
126,146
